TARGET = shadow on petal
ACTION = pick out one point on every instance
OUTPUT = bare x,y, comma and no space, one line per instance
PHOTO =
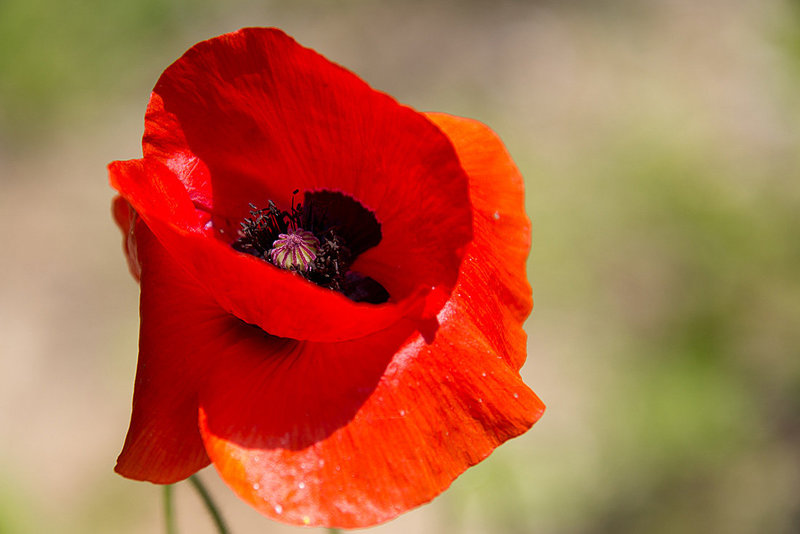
267,392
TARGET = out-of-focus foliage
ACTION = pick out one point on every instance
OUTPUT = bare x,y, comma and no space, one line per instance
661,149
56,55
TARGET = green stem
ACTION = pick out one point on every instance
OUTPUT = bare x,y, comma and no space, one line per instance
169,518
222,528
333,531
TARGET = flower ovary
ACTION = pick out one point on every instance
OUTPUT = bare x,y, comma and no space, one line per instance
296,250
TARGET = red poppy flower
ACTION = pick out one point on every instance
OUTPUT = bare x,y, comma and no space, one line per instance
332,286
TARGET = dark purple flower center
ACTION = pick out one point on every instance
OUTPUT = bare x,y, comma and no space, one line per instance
318,240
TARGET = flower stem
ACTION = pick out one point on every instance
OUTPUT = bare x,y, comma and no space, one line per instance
222,528
169,518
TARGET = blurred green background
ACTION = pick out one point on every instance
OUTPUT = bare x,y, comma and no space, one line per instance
659,141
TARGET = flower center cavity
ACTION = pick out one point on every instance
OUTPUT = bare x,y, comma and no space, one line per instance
318,240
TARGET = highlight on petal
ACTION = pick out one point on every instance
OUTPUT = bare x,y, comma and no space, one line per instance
316,436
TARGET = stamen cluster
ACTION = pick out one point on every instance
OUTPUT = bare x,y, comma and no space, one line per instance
298,240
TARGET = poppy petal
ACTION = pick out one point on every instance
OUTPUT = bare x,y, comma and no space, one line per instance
329,434
252,115
163,444
496,277
125,217
293,436
251,289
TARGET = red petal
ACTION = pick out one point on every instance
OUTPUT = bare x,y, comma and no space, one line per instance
325,434
495,279
163,444
251,116
125,217
352,434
